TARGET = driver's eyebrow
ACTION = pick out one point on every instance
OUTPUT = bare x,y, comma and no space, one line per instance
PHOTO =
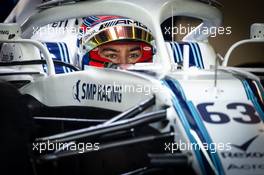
135,48
109,49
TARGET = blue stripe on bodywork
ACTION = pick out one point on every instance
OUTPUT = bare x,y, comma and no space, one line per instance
184,114
198,51
197,118
246,89
253,98
192,120
60,53
194,55
175,53
179,51
44,66
54,50
177,107
260,88
66,55
62,57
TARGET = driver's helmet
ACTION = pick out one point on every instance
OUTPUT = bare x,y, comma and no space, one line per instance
100,31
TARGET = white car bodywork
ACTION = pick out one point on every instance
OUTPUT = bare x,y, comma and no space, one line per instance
202,107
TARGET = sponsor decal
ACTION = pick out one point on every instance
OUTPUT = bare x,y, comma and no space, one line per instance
4,32
244,154
62,23
8,56
76,91
223,117
116,22
83,91
11,36
122,22
246,166
147,48
245,145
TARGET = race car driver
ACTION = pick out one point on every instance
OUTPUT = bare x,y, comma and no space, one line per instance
110,41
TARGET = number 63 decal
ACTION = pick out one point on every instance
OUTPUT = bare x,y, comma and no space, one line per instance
248,115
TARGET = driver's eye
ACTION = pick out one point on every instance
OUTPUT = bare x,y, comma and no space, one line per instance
133,55
111,56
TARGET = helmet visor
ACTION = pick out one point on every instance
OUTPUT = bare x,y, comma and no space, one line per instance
128,52
116,33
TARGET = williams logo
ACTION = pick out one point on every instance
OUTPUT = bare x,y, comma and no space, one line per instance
253,158
83,91
245,145
244,153
76,91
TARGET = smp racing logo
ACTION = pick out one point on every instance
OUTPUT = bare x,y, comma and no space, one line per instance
76,91
241,152
83,91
